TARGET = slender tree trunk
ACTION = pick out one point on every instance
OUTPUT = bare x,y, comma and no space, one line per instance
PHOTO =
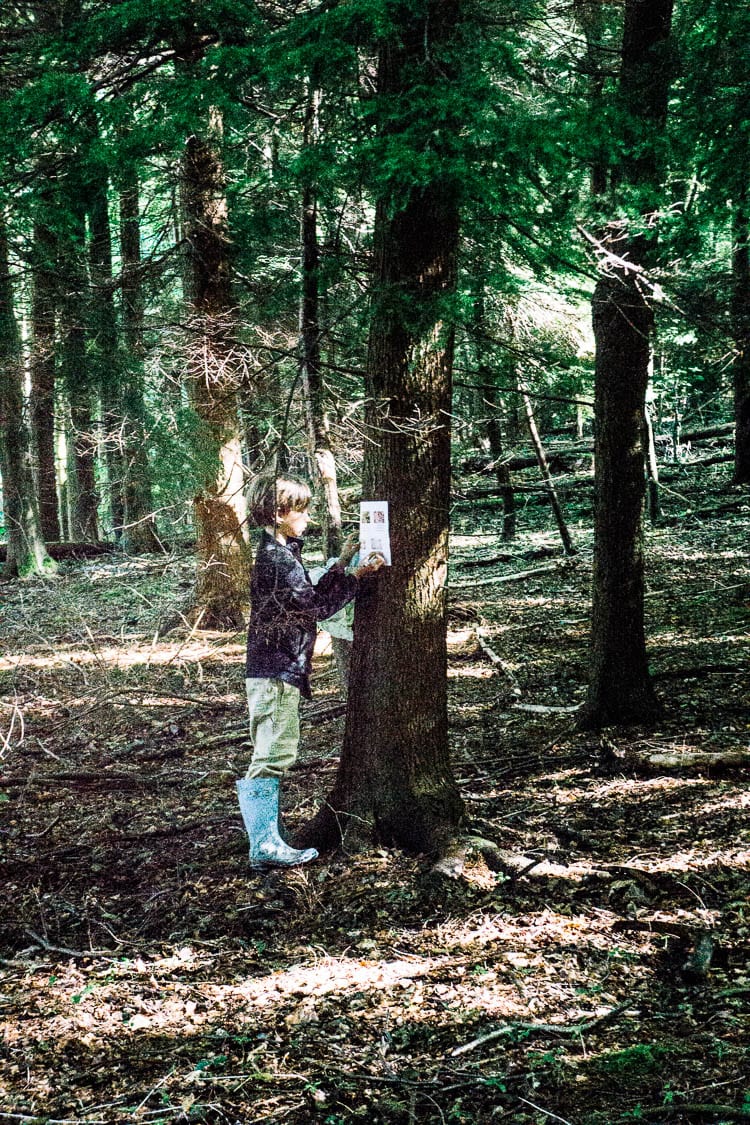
620,688
139,530
497,449
395,779
103,347
77,375
494,426
43,303
549,484
219,506
591,17
741,333
652,468
27,553
319,443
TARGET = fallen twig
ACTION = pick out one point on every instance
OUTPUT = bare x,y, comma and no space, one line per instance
546,1112
541,709
498,661
685,1109
518,576
569,1031
77,953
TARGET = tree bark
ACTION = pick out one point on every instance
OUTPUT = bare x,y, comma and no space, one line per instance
395,781
741,333
103,345
620,688
77,376
549,484
319,442
219,506
27,555
494,426
43,305
139,530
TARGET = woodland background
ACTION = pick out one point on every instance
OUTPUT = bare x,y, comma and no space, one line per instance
487,262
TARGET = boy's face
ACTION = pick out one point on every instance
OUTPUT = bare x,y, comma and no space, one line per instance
293,524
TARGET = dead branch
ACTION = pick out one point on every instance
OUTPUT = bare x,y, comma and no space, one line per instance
687,1109
42,943
573,1031
689,762
103,780
519,576
541,709
498,661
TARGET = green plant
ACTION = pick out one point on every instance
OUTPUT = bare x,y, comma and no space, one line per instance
641,1058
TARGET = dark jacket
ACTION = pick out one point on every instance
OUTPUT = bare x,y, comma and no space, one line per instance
284,609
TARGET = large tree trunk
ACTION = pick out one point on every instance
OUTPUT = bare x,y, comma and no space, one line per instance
219,507
27,554
43,302
741,333
395,780
620,688
139,530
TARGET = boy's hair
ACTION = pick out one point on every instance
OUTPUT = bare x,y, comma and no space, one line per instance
268,495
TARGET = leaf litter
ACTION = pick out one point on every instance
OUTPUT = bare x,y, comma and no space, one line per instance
584,959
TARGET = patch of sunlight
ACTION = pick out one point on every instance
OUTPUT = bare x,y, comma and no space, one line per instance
116,657
81,1008
488,539
460,636
738,801
535,930
623,787
693,859
472,671
675,640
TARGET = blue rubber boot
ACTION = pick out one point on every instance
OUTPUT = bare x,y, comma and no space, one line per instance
259,805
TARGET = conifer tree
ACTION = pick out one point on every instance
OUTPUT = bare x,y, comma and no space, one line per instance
395,779
620,688
27,553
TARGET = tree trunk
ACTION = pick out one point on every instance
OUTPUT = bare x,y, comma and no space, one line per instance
741,333
591,17
27,554
494,426
219,506
77,376
549,484
620,688
139,530
652,468
395,780
43,303
103,347
319,443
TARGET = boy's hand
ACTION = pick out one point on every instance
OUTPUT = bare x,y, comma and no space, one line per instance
349,549
370,565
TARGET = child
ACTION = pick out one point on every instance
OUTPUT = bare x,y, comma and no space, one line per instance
285,607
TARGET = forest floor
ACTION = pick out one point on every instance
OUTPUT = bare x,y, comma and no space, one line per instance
599,976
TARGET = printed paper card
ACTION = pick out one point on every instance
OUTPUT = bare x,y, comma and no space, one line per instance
374,533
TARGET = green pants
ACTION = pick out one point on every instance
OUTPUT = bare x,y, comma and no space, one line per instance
274,726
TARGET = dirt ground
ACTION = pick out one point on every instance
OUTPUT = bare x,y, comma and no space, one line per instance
599,974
